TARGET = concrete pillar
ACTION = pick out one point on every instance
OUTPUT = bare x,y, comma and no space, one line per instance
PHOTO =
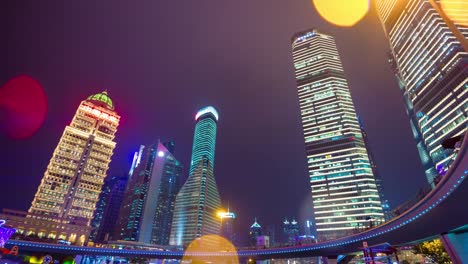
332,260
455,245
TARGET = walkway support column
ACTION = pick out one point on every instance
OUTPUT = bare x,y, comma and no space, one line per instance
455,245
332,260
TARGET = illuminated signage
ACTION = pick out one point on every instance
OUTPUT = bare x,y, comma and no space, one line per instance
13,251
2,222
97,113
227,215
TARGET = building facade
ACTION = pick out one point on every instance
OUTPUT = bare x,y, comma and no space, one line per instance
111,209
101,206
227,226
255,231
291,231
43,230
198,202
378,179
148,202
70,187
344,190
429,57
204,138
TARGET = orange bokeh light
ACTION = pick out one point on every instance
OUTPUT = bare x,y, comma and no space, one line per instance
211,244
456,10
344,13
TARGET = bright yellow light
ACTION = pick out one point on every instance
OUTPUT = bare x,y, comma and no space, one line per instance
344,13
456,10
221,214
211,244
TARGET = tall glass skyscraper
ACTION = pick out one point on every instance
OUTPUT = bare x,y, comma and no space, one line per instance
148,203
429,57
344,190
204,138
198,201
108,208
71,185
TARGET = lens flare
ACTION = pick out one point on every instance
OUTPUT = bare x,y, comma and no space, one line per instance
23,107
344,13
208,244
456,10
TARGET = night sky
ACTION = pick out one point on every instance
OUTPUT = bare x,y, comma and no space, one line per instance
162,60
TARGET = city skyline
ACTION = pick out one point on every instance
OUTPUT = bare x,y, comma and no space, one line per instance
243,212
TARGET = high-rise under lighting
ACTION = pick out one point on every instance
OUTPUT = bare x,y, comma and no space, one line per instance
148,203
198,202
343,186
429,56
204,138
71,185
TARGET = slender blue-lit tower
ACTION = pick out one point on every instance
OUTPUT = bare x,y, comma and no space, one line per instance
198,202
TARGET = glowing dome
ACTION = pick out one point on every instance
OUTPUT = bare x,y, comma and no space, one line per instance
206,111
103,99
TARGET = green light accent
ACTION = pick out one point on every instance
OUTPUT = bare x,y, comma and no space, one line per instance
102,97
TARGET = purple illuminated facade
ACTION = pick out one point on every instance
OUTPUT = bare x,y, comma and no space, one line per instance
5,233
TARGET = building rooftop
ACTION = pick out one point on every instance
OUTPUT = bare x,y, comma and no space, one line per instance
103,99
208,110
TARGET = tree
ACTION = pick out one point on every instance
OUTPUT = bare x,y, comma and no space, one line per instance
433,250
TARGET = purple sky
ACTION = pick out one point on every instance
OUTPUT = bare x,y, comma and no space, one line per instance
162,60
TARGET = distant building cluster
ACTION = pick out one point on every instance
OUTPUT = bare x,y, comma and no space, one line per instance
155,204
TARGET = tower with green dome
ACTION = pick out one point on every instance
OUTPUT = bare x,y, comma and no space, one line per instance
72,182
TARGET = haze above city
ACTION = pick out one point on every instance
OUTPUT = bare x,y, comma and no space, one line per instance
160,62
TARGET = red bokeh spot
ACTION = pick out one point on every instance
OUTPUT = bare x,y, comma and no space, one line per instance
23,107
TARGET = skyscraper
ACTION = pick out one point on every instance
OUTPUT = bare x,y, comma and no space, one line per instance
344,190
227,226
148,203
108,209
255,231
198,201
378,178
204,138
429,56
71,185
291,231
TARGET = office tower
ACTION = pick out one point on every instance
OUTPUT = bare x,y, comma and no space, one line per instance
71,185
255,231
227,226
378,178
291,231
198,201
101,206
429,55
111,212
271,232
204,138
343,186
148,203
308,226
170,186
